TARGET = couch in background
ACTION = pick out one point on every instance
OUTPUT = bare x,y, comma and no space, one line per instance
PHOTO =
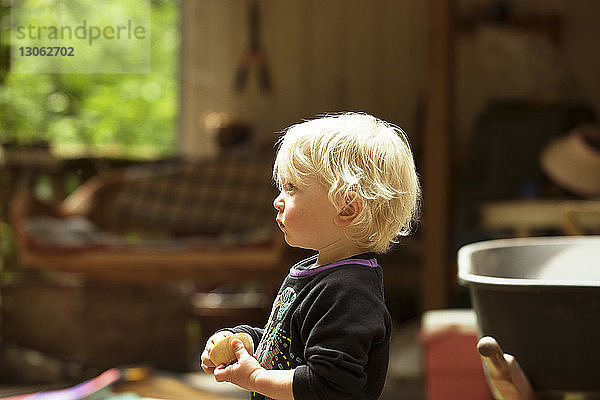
209,222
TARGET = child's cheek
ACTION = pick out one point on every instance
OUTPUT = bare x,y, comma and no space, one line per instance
289,211
289,217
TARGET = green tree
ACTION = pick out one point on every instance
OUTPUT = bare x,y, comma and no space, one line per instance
118,115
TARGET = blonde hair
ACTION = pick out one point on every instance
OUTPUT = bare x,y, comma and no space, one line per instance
355,152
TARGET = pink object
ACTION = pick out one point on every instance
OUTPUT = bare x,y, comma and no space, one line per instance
76,392
453,368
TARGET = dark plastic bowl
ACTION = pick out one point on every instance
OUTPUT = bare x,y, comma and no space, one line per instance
540,299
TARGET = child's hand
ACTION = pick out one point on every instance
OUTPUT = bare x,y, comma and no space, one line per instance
207,365
242,373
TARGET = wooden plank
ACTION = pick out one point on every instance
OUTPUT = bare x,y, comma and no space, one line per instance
437,162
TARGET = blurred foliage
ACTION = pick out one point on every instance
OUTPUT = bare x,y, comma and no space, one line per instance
110,115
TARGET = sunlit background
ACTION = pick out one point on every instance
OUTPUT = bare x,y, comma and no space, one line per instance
136,205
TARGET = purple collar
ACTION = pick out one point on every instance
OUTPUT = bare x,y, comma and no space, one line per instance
294,272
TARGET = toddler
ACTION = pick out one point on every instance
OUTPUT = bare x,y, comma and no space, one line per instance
348,189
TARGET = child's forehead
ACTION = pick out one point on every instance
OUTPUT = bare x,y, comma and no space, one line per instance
288,177
298,178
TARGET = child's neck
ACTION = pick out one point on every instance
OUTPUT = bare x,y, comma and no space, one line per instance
330,255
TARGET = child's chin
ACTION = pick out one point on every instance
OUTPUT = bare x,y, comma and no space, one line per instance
298,245
291,242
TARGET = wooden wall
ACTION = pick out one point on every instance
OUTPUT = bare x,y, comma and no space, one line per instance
324,56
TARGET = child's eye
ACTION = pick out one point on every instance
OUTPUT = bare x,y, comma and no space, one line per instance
289,187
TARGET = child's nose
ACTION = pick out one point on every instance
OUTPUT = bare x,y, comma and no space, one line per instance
278,203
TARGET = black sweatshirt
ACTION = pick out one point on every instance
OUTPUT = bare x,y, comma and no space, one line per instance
331,324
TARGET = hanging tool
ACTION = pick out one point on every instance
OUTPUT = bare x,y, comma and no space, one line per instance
254,57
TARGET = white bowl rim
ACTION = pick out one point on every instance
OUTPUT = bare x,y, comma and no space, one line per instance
467,278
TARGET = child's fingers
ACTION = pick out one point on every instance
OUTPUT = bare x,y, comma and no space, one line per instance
205,359
238,348
207,369
210,344
222,373
207,365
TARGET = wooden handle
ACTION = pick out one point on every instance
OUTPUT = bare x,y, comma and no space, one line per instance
506,378
493,356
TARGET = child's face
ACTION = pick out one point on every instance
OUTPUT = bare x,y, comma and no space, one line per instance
306,216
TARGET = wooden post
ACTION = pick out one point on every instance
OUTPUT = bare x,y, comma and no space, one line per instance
437,161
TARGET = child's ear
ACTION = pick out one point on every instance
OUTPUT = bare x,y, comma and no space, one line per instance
351,210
